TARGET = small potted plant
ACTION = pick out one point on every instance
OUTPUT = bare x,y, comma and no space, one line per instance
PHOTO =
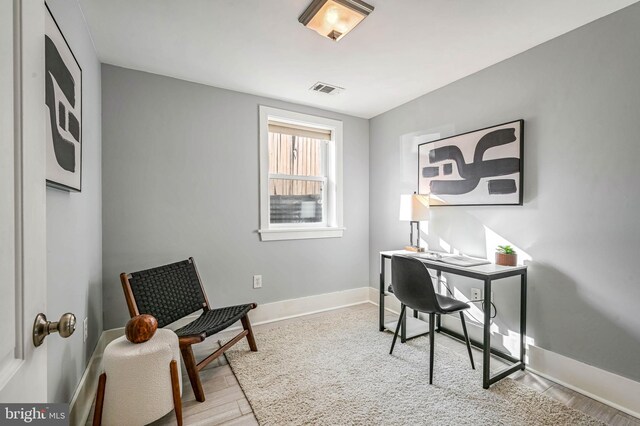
506,256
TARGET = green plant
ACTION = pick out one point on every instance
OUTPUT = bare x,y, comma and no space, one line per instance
505,250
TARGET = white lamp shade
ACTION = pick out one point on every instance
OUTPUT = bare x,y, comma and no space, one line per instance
414,207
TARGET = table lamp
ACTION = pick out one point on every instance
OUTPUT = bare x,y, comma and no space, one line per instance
414,208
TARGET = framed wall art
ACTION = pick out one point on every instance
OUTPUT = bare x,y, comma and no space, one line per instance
63,99
482,167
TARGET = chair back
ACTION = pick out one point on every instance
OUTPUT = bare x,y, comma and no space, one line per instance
168,292
412,284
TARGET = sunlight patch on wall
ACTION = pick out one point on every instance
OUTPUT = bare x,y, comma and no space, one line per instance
511,342
445,245
493,240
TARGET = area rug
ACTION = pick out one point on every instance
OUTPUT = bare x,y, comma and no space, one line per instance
336,370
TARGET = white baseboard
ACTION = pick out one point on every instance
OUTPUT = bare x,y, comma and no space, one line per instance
80,405
609,388
285,309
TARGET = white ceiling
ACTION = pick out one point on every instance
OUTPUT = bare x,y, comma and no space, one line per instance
404,49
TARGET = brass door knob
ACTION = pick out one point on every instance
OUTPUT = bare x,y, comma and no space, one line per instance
42,328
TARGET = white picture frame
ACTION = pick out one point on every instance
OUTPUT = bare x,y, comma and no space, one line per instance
63,100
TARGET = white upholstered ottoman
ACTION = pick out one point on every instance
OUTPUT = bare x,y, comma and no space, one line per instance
141,382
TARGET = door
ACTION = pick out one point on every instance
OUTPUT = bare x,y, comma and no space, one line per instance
23,368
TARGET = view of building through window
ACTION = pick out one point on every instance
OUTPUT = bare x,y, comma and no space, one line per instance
297,178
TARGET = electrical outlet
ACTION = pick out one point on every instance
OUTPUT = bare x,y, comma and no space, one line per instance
257,281
85,329
476,294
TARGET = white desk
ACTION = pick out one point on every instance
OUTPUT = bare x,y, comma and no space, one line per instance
486,273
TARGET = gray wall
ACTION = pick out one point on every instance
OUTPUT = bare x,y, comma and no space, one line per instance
180,173
579,95
74,226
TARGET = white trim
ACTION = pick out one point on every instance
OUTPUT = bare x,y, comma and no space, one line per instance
611,389
278,234
333,208
9,369
80,405
292,308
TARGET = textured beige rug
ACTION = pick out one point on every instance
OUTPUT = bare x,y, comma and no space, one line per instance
336,370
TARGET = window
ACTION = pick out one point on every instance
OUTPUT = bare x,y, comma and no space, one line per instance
300,176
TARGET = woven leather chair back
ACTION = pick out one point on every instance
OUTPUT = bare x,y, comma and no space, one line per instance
168,292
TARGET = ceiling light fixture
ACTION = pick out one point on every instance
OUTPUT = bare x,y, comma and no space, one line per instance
334,18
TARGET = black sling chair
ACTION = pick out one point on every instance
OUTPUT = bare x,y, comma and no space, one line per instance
172,292
412,285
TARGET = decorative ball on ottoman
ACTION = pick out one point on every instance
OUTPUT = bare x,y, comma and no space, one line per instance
141,328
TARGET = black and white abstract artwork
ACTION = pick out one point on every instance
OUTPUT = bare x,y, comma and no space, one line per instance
63,98
483,167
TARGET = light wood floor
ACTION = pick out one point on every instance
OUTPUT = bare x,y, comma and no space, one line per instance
226,404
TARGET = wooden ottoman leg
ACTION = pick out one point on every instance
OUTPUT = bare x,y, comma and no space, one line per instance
97,414
175,386
192,369
250,339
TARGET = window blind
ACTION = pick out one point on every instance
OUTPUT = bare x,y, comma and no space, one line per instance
299,130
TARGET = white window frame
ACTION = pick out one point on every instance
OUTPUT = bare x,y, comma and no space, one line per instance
332,225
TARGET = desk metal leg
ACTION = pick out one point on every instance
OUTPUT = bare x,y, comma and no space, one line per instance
438,317
486,350
381,302
523,316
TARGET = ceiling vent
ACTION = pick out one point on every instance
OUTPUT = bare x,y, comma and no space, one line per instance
326,88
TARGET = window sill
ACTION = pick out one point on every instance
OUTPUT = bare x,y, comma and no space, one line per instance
299,233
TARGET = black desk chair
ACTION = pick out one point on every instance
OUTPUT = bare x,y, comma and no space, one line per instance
412,285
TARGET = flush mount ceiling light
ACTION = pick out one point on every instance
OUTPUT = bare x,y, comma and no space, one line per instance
334,18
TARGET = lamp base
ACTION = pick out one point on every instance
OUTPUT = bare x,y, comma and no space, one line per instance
415,249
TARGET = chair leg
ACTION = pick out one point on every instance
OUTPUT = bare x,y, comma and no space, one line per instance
97,414
175,387
466,339
246,324
403,330
432,327
395,336
192,370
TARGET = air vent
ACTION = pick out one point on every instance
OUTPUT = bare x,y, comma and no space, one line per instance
326,88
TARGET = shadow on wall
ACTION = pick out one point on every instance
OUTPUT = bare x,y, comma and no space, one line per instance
458,231
68,378
569,308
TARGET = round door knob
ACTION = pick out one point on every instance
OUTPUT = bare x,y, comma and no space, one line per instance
42,328
66,325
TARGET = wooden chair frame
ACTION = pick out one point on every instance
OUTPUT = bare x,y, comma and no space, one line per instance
193,367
